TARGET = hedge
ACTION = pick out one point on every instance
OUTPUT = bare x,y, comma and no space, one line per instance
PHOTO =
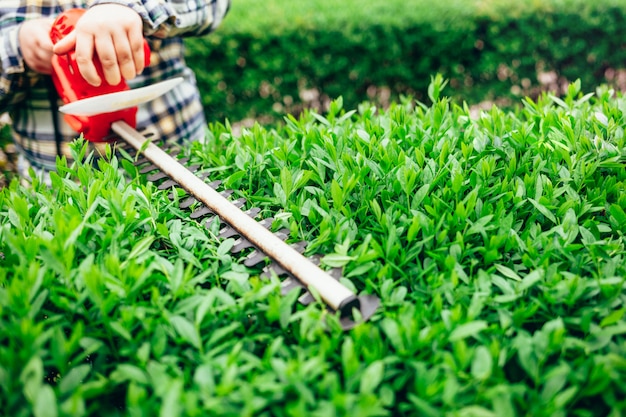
279,56
496,243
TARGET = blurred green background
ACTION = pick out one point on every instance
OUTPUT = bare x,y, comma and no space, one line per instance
279,56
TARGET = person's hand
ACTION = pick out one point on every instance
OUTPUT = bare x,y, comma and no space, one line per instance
34,39
114,33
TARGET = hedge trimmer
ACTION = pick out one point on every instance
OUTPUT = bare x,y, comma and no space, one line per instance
100,113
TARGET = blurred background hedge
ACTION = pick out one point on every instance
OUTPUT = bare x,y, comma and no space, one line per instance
278,56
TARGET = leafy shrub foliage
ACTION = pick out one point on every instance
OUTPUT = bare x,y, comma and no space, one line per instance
496,242
275,56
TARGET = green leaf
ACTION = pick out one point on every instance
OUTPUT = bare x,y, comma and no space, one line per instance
508,272
419,196
372,377
475,411
413,229
424,408
45,403
172,401
186,330
127,372
141,247
531,279
31,378
473,328
543,210
224,249
38,302
120,330
337,194
74,378
618,214
613,318
482,364
336,260
436,86
223,333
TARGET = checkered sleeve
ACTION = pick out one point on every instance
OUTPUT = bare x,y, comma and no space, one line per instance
12,75
169,18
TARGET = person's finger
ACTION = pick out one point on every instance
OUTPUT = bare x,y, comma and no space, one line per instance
44,60
84,60
105,50
135,35
65,45
125,59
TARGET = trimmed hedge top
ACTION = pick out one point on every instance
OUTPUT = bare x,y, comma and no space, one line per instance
496,242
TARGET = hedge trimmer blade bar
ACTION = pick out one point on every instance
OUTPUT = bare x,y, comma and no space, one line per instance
255,237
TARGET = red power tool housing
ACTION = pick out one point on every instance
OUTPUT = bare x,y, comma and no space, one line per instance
71,86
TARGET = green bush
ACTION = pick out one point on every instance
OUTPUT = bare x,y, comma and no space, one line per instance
496,243
279,56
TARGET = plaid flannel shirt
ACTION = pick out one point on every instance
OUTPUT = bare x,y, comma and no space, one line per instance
175,116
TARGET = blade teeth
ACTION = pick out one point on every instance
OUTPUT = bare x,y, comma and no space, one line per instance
300,246
191,199
167,185
279,270
228,232
336,273
367,304
155,177
140,161
167,147
188,202
175,193
273,268
193,168
254,258
209,222
239,203
241,245
282,234
201,212
289,284
306,298
148,168
204,210
267,222
253,212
